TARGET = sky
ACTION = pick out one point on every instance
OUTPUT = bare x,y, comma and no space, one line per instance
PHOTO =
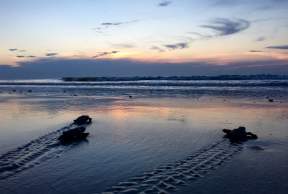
152,37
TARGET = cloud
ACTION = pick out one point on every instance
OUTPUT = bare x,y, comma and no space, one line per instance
255,51
105,25
51,54
284,47
157,48
111,24
260,39
164,3
221,27
198,35
16,50
170,47
123,45
180,45
102,54
13,49
24,56
224,27
62,67
18,53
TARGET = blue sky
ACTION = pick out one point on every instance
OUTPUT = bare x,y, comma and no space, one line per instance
215,32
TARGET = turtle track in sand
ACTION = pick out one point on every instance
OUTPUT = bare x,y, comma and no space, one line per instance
32,153
163,180
170,177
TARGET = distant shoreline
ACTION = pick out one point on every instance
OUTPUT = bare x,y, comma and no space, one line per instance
184,78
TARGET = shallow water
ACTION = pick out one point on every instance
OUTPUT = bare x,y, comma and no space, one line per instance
127,137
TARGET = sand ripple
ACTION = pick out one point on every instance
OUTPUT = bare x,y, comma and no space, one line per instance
31,154
170,177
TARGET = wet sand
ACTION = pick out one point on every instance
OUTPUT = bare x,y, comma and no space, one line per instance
171,144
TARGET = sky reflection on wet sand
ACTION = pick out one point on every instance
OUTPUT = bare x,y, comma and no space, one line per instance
129,134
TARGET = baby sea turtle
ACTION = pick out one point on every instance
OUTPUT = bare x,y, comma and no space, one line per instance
83,120
239,134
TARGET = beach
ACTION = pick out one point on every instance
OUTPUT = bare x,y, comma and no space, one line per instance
141,135
144,97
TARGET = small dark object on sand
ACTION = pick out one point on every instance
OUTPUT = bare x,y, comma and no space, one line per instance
76,134
269,99
130,96
73,135
239,134
83,120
